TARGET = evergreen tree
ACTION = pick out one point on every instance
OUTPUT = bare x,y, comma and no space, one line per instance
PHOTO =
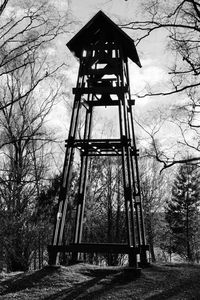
182,212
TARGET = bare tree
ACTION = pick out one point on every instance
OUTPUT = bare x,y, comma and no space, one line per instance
29,87
26,39
179,21
3,6
24,165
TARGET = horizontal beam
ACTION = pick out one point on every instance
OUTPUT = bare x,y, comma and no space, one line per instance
102,147
98,248
99,142
105,154
106,147
100,90
108,103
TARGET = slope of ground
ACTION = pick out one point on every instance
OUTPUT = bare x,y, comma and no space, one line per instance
91,282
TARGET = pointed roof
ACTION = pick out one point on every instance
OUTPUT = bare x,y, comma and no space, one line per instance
90,33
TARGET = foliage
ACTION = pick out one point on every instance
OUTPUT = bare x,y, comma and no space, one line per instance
182,213
154,194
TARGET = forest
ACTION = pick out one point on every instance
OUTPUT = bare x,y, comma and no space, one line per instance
35,85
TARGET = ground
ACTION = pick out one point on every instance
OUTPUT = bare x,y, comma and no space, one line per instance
82,281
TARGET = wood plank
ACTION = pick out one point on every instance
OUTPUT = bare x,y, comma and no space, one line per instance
101,90
97,248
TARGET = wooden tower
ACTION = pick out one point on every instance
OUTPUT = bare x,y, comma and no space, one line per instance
103,80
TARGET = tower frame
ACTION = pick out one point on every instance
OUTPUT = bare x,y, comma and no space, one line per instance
103,80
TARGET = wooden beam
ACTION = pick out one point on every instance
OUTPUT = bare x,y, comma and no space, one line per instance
97,248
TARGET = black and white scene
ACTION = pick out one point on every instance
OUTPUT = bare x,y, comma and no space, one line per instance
99,149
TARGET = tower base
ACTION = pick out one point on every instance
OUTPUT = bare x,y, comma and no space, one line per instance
132,252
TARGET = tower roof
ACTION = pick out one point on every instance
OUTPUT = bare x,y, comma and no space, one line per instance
91,33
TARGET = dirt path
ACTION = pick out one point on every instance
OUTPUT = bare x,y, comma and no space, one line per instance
90,282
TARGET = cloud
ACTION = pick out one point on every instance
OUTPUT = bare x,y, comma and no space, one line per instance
150,74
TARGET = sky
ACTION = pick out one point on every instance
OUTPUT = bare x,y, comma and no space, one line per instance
155,61
152,52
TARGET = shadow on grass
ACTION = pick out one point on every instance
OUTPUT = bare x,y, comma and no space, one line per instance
89,282
22,281
182,287
103,281
188,289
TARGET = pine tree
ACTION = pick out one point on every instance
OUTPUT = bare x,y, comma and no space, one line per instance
182,212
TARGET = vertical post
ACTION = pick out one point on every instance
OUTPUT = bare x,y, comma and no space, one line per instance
126,164
82,184
137,191
66,178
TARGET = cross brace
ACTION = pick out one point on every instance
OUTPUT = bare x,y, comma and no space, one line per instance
105,147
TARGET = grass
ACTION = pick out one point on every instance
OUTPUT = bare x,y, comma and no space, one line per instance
82,281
